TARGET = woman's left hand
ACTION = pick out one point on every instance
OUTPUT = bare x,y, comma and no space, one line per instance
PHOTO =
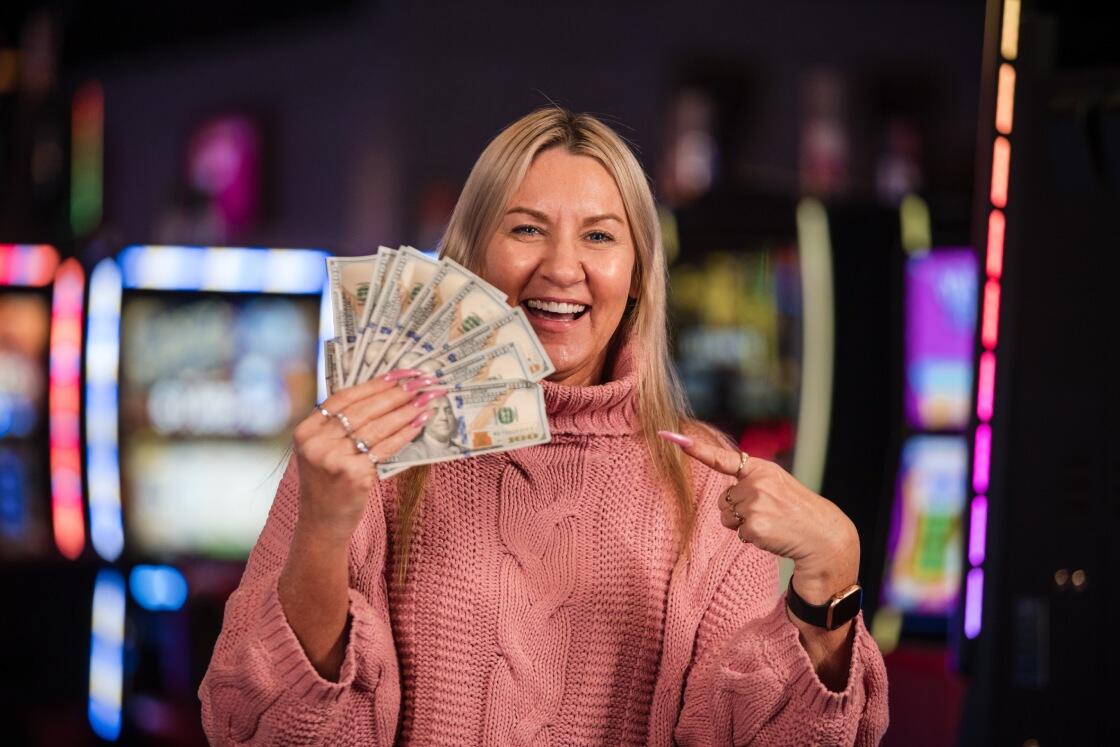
769,508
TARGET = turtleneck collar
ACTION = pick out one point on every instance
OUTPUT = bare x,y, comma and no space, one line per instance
609,408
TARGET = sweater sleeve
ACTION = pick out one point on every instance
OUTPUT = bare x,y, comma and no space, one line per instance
750,680
260,688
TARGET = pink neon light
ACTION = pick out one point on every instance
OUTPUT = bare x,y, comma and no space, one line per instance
973,602
978,530
997,224
27,264
982,458
65,406
986,386
989,328
1001,166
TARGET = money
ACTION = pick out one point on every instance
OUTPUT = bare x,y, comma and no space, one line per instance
400,309
474,419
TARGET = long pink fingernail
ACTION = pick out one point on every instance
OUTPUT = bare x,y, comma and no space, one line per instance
420,383
678,438
427,397
402,373
422,418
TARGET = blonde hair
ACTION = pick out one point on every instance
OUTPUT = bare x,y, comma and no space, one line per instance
660,404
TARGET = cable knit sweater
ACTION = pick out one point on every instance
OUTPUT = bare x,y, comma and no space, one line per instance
544,605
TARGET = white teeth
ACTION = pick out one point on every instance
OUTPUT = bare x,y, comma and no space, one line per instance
556,307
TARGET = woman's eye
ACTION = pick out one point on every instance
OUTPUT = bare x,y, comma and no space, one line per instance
600,237
526,230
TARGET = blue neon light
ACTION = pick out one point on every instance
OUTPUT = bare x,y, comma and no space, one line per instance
158,587
102,456
228,269
106,655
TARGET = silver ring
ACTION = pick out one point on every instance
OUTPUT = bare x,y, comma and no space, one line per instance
360,445
727,495
740,535
324,411
373,458
737,515
341,416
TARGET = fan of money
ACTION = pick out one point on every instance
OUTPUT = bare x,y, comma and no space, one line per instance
400,309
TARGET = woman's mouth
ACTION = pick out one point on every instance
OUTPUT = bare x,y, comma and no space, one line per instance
559,311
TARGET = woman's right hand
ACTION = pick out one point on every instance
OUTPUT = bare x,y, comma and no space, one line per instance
335,478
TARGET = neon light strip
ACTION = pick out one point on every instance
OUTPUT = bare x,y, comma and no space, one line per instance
31,265
65,407
989,328
997,224
106,528
106,655
978,521
1009,39
1001,167
986,386
232,270
1005,99
973,602
158,587
982,458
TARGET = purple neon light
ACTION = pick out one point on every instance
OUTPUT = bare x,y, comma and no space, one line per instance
982,458
986,388
978,530
973,601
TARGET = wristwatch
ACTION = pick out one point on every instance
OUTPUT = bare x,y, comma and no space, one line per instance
839,609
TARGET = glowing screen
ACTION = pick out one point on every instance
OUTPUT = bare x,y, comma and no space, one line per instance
924,544
24,334
940,324
211,385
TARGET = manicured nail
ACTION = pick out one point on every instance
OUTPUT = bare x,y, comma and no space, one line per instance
422,418
420,383
427,397
678,438
402,373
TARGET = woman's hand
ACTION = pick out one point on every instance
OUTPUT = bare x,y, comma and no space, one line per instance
335,477
769,508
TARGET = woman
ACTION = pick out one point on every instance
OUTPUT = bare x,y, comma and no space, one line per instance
592,590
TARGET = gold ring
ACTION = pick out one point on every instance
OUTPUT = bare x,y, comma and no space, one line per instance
727,495
743,457
739,534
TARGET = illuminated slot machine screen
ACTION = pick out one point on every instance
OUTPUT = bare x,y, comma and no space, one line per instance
924,545
737,336
25,522
211,386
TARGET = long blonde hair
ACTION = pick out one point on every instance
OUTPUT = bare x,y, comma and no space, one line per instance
661,404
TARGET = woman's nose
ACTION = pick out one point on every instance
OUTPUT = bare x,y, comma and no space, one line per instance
562,264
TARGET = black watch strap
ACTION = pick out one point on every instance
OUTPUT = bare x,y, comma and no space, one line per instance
842,607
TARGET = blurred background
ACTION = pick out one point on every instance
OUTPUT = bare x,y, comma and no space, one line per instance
892,231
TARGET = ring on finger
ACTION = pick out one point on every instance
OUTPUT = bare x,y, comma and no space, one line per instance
324,412
727,495
373,458
743,457
341,417
737,515
739,534
360,445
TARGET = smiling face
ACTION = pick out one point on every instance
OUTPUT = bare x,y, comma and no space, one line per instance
563,251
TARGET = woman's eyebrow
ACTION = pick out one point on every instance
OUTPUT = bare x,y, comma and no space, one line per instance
537,214
603,217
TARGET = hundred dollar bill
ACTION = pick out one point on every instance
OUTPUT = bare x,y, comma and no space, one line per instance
349,281
502,362
448,280
471,307
474,419
514,328
410,273
332,367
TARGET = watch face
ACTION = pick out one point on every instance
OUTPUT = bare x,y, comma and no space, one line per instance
846,608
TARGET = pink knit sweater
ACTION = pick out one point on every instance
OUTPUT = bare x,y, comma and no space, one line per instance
544,605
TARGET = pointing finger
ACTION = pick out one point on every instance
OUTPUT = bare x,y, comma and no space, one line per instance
720,459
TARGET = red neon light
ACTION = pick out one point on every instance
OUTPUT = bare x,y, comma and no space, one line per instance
65,406
1001,165
986,386
989,328
997,224
27,264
